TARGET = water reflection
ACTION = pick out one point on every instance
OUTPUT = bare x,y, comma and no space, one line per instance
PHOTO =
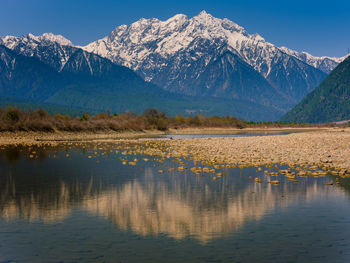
180,206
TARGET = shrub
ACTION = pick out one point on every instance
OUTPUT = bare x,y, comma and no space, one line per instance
13,119
42,113
59,116
155,119
12,114
102,116
85,117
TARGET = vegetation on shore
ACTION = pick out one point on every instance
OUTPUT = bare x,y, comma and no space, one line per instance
14,119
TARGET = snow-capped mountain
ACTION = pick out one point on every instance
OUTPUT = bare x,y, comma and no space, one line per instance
132,45
91,83
51,49
326,64
59,53
177,53
198,56
12,41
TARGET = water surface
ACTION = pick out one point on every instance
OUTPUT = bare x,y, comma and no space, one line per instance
72,204
240,134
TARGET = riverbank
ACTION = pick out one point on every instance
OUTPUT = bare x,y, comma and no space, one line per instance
238,131
323,147
52,138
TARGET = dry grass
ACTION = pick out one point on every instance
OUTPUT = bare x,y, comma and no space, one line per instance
13,119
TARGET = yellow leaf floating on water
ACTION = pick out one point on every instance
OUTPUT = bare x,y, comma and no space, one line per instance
274,182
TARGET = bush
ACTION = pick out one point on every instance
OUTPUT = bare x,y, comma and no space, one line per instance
85,117
42,113
12,114
13,119
155,119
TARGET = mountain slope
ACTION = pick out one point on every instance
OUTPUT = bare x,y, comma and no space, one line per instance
203,57
328,102
24,77
175,53
91,83
325,64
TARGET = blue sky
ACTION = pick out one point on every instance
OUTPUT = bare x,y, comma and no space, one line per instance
319,27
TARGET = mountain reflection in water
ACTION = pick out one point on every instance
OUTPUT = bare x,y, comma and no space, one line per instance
178,206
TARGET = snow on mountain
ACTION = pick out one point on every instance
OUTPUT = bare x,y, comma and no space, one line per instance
49,48
10,41
133,45
56,38
182,55
58,53
198,56
324,63
149,43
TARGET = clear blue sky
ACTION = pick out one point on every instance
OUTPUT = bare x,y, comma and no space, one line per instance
319,27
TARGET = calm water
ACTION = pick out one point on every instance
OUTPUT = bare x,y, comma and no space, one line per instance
62,206
243,134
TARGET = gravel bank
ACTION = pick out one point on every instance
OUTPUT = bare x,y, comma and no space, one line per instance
323,148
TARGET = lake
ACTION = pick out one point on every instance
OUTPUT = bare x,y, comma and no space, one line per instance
94,203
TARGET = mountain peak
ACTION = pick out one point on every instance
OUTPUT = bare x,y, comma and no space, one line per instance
178,17
57,38
51,37
205,17
204,13
149,44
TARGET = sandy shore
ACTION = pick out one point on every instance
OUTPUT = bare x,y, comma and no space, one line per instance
321,147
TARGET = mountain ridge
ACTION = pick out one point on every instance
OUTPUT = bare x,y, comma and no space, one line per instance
29,82
202,56
329,102
151,47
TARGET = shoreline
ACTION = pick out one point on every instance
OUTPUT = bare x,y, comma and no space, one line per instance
223,131
323,147
326,149
38,138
